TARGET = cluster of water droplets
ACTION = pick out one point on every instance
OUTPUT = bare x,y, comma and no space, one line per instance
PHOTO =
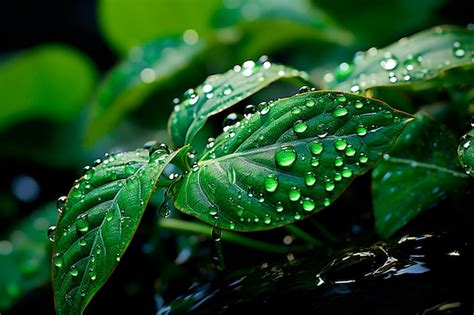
466,151
411,67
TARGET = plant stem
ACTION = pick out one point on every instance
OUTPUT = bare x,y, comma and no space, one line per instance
296,231
231,237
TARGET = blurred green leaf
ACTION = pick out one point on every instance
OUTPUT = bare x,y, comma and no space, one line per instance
220,92
420,171
98,221
130,83
24,257
287,161
420,57
249,22
127,24
466,152
50,81
379,22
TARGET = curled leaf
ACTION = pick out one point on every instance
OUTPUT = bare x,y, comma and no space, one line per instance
97,222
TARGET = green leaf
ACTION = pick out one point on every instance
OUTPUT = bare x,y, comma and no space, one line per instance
98,221
37,84
420,171
220,92
420,57
466,153
126,24
288,20
24,257
287,161
130,83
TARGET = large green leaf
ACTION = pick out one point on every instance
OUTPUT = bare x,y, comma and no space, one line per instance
419,172
420,57
130,83
127,24
49,81
287,161
220,92
24,257
466,152
98,221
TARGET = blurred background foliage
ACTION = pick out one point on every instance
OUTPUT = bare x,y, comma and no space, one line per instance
81,77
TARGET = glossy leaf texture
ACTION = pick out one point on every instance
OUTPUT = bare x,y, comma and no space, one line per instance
24,257
466,152
420,57
131,82
289,160
220,92
419,172
36,84
98,221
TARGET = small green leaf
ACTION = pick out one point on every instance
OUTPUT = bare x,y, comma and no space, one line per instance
420,171
466,152
421,57
130,83
37,84
287,161
24,257
126,24
98,221
220,92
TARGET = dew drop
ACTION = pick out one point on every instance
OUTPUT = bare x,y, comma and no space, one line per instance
285,156
279,207
309,103
74,272
230,120
350,151
346,172
341,98
458,51
314,162
329,185
310,179
271,183
294,194
213,210
61,203
249,110
361,131
363,158
129,170
82,242
308,204
316,147
58,260
52,233
297,216
267,220
339,161
340,111
300,126
303,89
358,104
389,62
327,202
337,177
81,224
340,144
